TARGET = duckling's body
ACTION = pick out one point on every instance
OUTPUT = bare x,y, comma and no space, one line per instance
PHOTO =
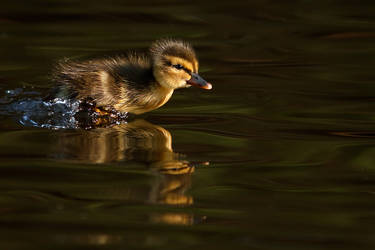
132,83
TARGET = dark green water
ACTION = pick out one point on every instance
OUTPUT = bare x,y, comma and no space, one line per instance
279,155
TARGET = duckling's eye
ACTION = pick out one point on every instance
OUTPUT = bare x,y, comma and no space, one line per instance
178,66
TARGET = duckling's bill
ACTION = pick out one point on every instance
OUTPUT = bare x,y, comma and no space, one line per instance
197,81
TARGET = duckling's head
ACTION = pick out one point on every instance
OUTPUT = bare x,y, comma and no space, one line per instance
175,65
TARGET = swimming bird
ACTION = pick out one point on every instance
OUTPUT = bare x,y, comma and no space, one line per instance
134,83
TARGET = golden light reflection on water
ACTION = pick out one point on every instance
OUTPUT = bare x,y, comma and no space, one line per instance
143,142
173,218
92,239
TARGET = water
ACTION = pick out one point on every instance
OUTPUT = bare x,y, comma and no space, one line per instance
279,155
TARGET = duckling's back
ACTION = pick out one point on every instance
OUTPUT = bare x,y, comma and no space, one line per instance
107,81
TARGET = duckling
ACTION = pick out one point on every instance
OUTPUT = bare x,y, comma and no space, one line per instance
135,83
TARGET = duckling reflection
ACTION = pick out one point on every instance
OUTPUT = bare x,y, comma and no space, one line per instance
137,140
143,142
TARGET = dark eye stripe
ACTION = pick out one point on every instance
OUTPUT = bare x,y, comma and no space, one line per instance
179,67
187,71
168,63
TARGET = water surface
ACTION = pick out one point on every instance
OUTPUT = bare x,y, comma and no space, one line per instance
279,155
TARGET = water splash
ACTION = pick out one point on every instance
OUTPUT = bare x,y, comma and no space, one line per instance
54,114
29,109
